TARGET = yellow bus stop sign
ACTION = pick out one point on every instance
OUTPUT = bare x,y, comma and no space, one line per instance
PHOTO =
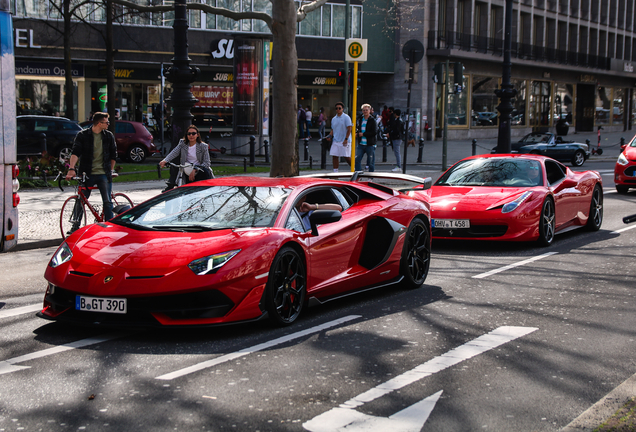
356,50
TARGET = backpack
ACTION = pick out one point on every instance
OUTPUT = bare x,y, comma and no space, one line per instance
302,115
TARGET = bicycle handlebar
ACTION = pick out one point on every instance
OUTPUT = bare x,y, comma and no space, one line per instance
61,176
629,219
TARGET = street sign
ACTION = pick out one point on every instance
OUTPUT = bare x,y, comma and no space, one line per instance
413,48
356,50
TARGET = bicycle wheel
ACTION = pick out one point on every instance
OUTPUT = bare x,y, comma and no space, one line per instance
72,216
120,198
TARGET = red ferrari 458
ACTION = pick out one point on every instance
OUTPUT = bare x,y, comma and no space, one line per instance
514,197
240,249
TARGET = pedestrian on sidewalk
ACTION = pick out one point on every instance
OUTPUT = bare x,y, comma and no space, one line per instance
395,135
340,135
367,129
302,123
322,122
308,118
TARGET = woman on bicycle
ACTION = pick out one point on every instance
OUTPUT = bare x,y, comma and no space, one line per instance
194,151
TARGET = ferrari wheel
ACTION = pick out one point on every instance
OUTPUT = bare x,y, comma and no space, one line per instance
547,223
595,218
416,255
286,287
578,159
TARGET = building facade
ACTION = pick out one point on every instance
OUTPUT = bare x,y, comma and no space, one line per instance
144,45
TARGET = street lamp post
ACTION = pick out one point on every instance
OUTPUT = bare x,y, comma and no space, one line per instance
181,75
507,92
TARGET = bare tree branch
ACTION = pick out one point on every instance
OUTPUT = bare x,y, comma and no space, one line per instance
309,7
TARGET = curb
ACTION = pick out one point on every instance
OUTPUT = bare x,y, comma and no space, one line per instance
38,244
602,410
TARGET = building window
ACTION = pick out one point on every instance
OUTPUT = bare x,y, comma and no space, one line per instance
484,101
518,114
618,106
563,102
602,106
457,104
310,26
31,8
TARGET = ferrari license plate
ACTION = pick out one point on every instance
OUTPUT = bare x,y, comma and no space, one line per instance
451,223
100,304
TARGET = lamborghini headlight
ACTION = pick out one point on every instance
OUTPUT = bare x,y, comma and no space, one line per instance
210,264
62,255
622,160
507,208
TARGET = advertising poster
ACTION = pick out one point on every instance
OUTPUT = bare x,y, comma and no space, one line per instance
266,104
213,96
247,90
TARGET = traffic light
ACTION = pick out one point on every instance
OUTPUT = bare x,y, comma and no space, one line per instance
458,77
438,73
340,75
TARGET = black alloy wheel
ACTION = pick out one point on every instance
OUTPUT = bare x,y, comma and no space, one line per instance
547,223
136,154
595,218
416,255
286,287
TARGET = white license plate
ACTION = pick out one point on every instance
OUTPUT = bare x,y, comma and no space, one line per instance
451,223
100,304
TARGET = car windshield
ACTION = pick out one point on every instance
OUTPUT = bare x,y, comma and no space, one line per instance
535,138
202,208
500,172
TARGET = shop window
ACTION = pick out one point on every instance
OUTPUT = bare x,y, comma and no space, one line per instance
484,101
602,106
618,106
563,102
457,104
518,115
539,115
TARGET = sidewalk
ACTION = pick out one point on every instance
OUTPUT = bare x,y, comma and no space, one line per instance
39,209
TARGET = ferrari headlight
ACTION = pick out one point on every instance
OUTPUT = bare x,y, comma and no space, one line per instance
62,255
210,264
622,160
507,208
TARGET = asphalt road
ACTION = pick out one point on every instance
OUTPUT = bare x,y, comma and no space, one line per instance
501,337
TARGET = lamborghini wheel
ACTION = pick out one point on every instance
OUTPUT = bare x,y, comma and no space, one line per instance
416,255
286,287
547,223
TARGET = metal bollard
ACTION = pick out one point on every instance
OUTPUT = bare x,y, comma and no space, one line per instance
159,170
622,141
252,150
266,146
587,141
420,150
244,164
311,162
323,154
384,141
306,148
474,146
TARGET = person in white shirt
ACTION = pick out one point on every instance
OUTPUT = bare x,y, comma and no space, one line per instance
308,116
340,135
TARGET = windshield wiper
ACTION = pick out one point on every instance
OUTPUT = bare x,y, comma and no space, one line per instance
184,228
134,226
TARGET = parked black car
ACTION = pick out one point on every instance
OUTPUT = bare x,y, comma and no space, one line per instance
37,134
548,144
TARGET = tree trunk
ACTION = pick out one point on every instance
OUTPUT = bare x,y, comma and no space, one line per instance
285,83
110,66
69,89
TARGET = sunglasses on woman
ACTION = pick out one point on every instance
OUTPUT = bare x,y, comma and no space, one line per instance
192,133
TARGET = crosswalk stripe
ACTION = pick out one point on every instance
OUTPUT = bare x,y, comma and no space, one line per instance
20,310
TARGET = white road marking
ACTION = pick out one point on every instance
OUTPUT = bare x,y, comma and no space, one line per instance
517,264
344,418
255,348
7,366
623,229
20,310
410,419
